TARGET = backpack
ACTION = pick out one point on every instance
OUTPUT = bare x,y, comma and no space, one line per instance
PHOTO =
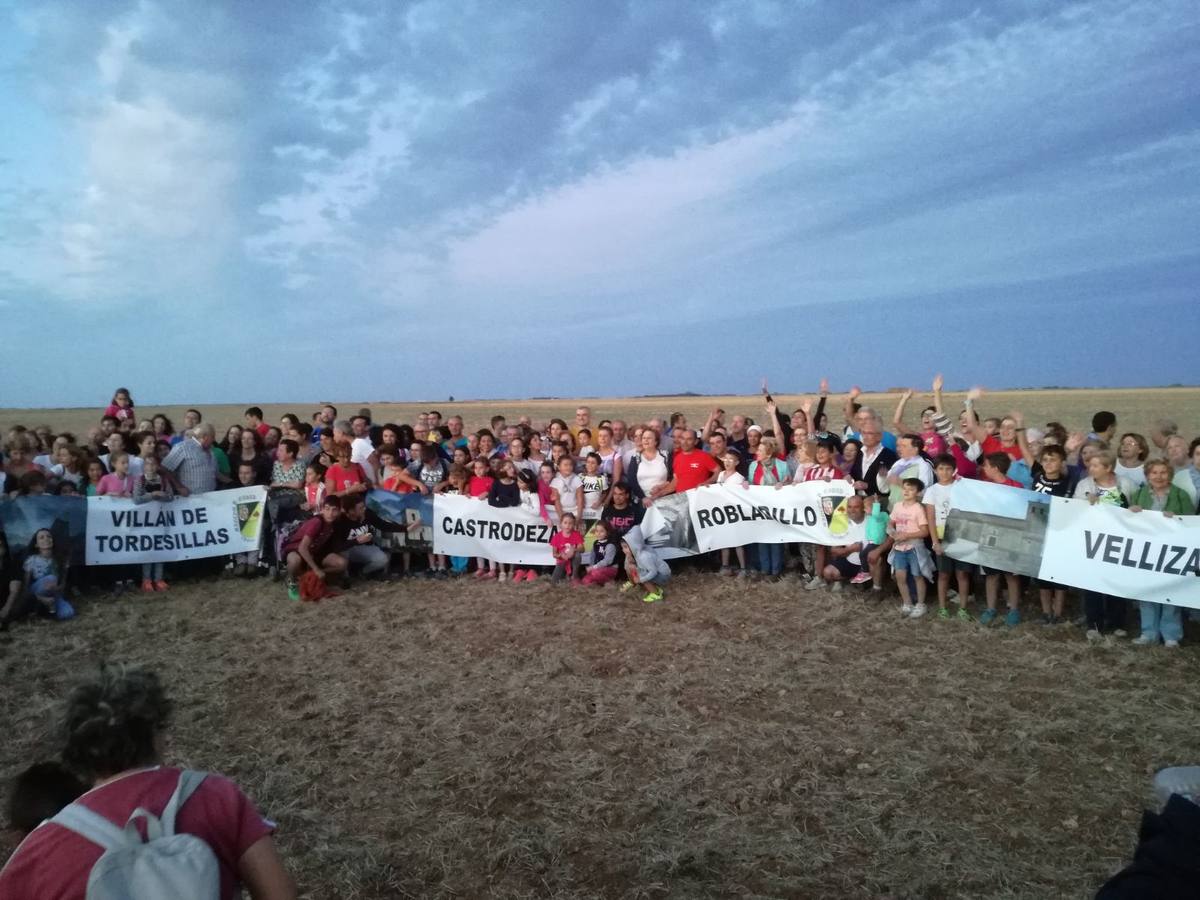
179,866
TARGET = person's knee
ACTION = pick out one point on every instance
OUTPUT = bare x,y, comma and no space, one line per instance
334,562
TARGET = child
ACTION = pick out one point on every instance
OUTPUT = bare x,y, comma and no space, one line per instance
595,487
118,482
937,510
732,478
390,471
245,565
1051,476
150,485
121,407
504,493
478,488
994,467
95,472
46,577
310,547
39,793
567,489
545,491
314,488
643,566
344,477
603,568
456,485
566,545
531,502
909,527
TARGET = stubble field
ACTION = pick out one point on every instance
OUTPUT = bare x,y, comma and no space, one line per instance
446,739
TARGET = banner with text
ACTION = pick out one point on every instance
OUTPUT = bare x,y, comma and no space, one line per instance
1140,556
211,524
464,526
812,512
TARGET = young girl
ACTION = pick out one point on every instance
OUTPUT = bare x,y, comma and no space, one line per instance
118,482
595,487
390,471
544,489
603,557
150,485
732,478
456,484
69,465
46,577
768,469
528,500
584,442
95,472
567,489
478,488
567,545
504,492
314,488
121,406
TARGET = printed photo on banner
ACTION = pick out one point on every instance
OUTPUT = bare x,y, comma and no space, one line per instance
66,517
414,511
997,526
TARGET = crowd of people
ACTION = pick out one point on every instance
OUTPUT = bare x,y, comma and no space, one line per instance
598,479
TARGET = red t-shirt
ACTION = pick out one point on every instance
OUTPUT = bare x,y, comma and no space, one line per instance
692,469
344,478
262,428
479,487
318,532
53,863
993,444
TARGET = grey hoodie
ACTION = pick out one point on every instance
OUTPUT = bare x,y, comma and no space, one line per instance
650,566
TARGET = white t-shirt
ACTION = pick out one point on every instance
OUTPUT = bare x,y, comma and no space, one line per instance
566,488
733,479
1136,474
937,495
856,533
651,473
361,449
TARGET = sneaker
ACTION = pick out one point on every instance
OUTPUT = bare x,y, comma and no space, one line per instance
147,586
1120,632
918,611
481,573
161,585
626,587
906,609
442,573
726,570
1171,645
943,615
1046,619
531,575
963,616
1012,618
952,594
1182,780
1093,634
503,577
861,578
293,590
987,617
654,596
813,583
743,573
1144,640
836,587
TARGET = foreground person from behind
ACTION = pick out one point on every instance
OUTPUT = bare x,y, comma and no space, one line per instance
113,728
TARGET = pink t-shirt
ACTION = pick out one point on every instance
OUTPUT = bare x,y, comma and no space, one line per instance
907,517
53,862
112,483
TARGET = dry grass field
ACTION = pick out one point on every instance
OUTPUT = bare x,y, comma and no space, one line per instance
1137,409
454,740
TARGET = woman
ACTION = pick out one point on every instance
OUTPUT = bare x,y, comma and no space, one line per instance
610,456
162,426
768,469
20,449
113,728
535,452
1132,451
250,450
649,470
287,474
519,458
232,439
1160,620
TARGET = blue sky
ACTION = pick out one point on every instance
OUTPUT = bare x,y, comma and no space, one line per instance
231,201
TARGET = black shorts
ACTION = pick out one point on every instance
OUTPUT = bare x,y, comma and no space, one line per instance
845,568
984,570
948,565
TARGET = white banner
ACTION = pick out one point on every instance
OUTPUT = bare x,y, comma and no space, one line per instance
813,512
1140,556
212,524
464,526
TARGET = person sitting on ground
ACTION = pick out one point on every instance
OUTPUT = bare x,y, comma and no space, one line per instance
39,793
602,558
643,566
359,541
113,727
844,562
312,547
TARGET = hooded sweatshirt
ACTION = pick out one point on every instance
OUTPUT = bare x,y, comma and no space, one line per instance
650,566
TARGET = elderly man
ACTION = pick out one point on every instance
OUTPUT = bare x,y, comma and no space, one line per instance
457,438
872,459
839,564
191,462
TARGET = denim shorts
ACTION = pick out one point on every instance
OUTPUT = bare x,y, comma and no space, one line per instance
906,561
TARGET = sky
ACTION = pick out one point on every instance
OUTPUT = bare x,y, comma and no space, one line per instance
271,201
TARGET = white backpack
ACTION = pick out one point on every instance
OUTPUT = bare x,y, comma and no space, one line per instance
178,866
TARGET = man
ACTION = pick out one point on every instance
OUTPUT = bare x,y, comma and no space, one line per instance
359,541
665,444
691,467
457,438
325,419
191,419
910,464
873,458
108,425
510,434
254,420
622,442
435,418
736,439
716,445
1104,427
191,462
583,419
839,564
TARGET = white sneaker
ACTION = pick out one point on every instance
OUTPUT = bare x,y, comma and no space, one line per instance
1120,632
952,594
1144,641
837,589
1182,780
815,582
917,611
1094,634
1171,645
502,577
906,610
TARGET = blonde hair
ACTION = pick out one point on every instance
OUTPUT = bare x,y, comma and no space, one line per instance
1158,463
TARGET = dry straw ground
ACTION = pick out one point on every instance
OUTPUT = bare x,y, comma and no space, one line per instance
452,740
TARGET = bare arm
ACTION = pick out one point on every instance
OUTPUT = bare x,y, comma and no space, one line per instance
261,870
1022,441
898,416
974,430
848,404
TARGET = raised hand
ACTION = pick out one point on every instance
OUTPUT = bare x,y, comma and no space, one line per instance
907,395
938,383
1075,440
855,392
824,388
1016,416
974,393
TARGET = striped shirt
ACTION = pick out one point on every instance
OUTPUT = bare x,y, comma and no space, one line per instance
195,467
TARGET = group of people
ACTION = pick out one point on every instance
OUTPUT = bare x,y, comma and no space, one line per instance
598,479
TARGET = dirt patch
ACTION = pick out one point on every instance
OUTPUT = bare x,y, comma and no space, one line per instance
461,740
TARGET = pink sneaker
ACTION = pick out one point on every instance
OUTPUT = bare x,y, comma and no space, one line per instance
860,578
531,575
518,575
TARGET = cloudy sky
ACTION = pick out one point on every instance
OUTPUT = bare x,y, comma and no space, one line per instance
231,201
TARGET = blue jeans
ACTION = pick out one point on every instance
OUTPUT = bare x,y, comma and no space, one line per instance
1161,620
770,558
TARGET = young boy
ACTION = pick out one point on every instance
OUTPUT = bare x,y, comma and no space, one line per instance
909,527
1051,476
937,509
994,467
644,566
310,547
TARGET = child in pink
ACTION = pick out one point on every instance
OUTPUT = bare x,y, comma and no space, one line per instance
567,545
118,482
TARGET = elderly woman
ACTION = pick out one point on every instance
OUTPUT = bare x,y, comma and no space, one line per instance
649,470
113,728
1160,621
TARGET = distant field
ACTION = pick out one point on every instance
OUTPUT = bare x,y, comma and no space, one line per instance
1137,409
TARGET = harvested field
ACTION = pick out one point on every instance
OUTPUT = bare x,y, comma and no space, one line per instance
422,739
